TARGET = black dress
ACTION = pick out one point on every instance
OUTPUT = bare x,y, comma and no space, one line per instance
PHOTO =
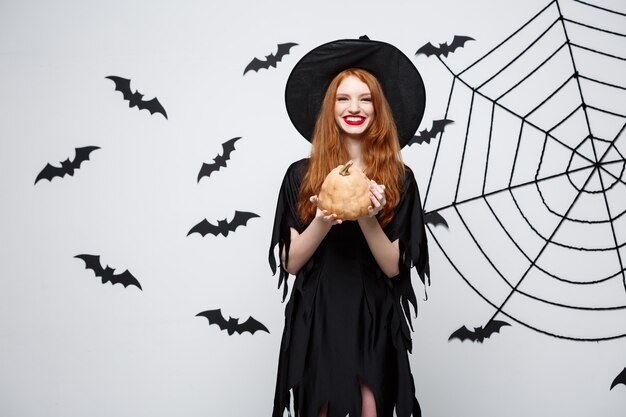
345,321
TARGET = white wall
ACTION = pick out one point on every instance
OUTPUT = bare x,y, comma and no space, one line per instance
70,346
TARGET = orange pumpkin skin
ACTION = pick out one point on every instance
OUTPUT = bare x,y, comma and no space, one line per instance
346,195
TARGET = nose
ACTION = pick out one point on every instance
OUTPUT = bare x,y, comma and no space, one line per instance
354,106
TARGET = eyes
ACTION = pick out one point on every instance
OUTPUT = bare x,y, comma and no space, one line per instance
345,99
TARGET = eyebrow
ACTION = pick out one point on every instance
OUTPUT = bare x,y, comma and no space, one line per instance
346,94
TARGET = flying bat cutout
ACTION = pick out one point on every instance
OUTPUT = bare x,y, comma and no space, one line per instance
125,278
270,60
444,49
136,98
223,227
435,219
479,334
220,160
67,167
232,325
619,379
426,135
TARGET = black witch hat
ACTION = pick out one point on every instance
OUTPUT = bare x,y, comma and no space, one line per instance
398,77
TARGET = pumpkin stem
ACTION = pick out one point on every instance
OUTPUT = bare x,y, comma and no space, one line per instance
344,171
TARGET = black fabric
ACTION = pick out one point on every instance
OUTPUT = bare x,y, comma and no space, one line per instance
346,323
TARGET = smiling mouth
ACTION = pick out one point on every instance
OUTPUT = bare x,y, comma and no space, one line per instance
354,120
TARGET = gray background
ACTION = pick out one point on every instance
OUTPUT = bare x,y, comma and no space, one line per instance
70,346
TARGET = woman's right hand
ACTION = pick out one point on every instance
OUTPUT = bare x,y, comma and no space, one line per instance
303,245
323,215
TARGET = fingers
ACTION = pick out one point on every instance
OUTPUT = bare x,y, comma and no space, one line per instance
330,218
377,197
323,215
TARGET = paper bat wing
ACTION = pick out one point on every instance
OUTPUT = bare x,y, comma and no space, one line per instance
619,379
426,135
50,172
82,155
207,169
204,227
256,64
153,106
251,325
459,42
125,278
283,49
494,327
428,50
435,219
220,161
123,85
240,219
67,167
92,262
215,317
463,333
439,126
479,333
228,147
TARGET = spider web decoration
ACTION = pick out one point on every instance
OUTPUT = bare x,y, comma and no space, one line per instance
531,180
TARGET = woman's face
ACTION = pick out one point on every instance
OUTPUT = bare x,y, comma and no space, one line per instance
354,110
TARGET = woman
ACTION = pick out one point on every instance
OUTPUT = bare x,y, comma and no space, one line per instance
346,337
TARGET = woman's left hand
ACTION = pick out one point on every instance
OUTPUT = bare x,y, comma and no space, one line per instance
377,196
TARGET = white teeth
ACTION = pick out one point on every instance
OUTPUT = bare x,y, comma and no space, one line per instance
354,119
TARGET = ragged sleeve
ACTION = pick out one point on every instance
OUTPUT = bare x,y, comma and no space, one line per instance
286,217
407,226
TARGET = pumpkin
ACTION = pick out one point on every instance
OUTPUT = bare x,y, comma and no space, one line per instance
345,192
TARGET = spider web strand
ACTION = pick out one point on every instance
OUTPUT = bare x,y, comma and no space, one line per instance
601,82
550,96
617,247
493,108
520,55
511,111
532,72
580,90
458,184
606,111
519,140
601,8
512,187
573,112
621,307
594,27
509,37
577,339
598,52
548,241
432,170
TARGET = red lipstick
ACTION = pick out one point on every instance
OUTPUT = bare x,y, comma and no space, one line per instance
354,120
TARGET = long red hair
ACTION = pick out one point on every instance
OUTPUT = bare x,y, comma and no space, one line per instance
380,149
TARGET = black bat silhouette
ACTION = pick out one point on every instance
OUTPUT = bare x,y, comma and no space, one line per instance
435,219
426,135
232,325
67,167
219,160
136,98
619,379
270,60
125,278
240,219
479,334
444,49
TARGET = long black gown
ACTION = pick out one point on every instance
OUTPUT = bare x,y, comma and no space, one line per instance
345,321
